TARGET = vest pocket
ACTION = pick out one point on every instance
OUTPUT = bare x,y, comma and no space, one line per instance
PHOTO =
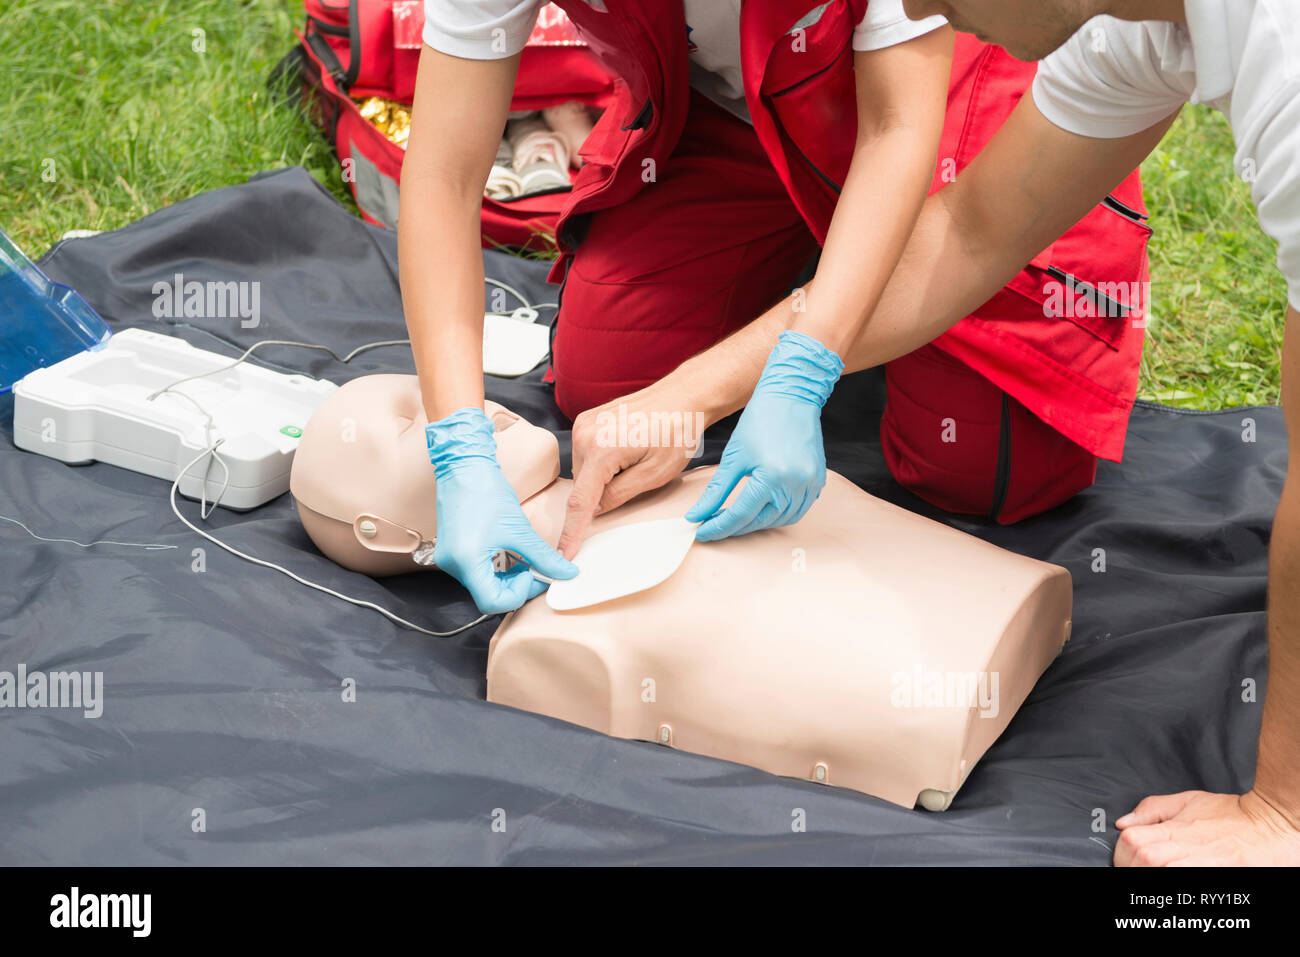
810,88
1095,274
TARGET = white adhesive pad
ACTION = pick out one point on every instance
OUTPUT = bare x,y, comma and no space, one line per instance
513,346
624,561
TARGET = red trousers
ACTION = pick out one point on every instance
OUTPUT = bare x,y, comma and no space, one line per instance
713,241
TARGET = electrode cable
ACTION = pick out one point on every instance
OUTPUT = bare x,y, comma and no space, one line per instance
213,455
361,603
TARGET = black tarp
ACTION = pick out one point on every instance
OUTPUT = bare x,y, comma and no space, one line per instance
223,687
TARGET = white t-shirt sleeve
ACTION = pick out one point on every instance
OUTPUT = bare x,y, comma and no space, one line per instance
1115,78
1268,157
479,29
886,25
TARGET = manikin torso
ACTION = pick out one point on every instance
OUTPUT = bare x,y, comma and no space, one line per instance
865,647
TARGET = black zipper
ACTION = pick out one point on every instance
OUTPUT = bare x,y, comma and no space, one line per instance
642,119
575,231
1003,476
813,166
555,323
810,77
802,155
540,192
1111,309
1128,212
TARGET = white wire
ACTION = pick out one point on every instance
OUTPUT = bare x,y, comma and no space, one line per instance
280,342
519,295
344,359
213,455
205,511
73,541
212,451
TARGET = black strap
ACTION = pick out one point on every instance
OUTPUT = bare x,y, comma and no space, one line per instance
325,53
354,39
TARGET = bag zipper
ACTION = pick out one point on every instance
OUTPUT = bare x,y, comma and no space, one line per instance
540,192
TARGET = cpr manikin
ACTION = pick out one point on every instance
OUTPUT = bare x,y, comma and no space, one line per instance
865,646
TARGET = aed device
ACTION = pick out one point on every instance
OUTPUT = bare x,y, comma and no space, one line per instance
154,404
85,394
112,404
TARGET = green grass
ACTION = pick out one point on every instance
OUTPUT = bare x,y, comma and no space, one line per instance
111,97
1218,300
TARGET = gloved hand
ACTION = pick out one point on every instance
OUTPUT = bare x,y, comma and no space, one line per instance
777,443
479,516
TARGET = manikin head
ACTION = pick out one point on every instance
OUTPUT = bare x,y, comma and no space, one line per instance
1031,29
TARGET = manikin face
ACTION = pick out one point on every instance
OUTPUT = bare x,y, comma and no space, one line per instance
1028,29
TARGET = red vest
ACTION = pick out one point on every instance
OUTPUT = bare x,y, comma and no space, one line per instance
1052,338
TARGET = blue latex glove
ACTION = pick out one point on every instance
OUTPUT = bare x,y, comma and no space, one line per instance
777,443
479,516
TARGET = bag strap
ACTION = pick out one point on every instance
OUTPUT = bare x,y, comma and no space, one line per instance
354,43
343,78
325,53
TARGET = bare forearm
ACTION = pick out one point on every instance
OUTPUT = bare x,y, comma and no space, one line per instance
1029,185
1277,772
902,93
886,188
442,291
449,155
942,276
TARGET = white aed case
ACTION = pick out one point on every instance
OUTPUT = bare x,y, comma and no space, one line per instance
102,405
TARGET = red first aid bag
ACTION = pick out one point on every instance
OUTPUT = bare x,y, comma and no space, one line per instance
354,49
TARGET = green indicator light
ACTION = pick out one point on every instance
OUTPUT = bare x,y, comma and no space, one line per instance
292,431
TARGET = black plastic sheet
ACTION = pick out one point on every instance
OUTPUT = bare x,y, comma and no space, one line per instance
225,737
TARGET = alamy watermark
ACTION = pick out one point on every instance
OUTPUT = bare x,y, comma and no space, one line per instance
181,299
129,911
1103,300
55,689
624,428
919,688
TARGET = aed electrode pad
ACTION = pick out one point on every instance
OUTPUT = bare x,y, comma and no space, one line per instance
624,561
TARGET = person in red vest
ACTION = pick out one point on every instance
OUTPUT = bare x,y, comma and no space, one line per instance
712,239
1115,74
746,139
